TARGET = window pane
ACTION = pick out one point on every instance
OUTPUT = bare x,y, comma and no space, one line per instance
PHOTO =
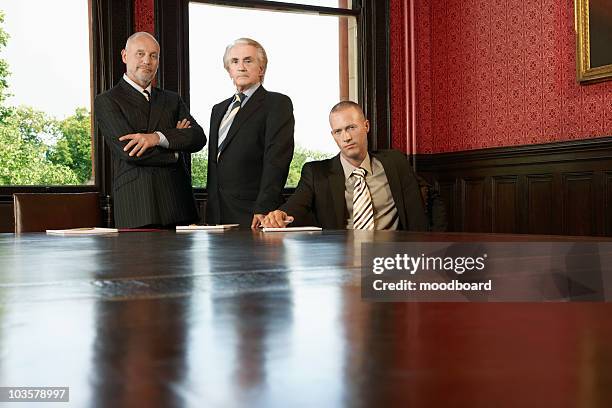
346,4
45,93
313,64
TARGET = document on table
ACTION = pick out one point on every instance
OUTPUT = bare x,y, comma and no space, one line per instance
83,231
291,229
220,227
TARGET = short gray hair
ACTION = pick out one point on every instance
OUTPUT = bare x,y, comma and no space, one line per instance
140,34
262,57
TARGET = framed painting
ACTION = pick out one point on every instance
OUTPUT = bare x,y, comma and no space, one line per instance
593,40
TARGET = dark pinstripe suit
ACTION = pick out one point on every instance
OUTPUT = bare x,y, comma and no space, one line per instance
154,188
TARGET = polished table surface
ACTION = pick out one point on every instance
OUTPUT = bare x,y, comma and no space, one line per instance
243,318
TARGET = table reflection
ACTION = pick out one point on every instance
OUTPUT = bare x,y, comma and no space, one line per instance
264,320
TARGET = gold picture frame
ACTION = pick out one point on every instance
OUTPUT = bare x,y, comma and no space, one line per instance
593,46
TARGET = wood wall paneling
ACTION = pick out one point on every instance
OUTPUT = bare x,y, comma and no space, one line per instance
448,193
578,204
554,188
540,204
607,197
474,208
504,208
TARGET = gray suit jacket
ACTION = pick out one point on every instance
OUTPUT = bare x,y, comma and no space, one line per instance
156,187
319,197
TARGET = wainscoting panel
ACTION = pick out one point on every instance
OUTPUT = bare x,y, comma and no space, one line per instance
555,188
578,204
448,193
540,204
504,209
607,193
475,208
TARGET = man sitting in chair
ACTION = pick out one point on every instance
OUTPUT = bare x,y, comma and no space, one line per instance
356,189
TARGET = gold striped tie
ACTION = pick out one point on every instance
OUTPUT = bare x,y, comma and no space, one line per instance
363,211
227,121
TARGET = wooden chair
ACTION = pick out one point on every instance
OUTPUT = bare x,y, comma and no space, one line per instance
435,210
36,212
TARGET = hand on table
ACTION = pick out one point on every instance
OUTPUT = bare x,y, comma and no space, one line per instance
257,220
277,219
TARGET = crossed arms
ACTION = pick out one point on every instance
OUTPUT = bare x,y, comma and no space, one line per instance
142,148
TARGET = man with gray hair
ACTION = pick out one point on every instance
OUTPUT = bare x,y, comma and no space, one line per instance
251,142
150,133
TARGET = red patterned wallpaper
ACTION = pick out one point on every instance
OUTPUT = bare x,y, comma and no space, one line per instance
144,18
497,73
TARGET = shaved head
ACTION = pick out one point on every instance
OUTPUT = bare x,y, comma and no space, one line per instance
137,35
347,105
141,58
350,128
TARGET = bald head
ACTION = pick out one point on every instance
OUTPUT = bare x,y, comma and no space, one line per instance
141,58
138,35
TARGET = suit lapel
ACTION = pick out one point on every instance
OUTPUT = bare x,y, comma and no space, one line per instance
134,98
337,186
133,95
395,185
157,103
253,104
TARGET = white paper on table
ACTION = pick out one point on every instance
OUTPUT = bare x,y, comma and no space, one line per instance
83,231
291,229
205,227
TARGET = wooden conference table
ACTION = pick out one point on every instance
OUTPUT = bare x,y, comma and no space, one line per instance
243,318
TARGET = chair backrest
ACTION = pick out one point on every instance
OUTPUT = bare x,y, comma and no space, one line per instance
35,212
435,210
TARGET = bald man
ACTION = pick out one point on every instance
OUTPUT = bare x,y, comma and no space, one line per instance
150,134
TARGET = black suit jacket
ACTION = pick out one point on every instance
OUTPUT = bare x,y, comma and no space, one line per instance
156,187
319,197
250,174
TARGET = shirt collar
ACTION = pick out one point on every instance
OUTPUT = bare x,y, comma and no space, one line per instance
348,167
136,86
250,91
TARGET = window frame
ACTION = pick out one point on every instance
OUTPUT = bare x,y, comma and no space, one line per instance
111,22
172,30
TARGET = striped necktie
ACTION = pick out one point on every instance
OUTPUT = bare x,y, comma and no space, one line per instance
147,95
363,212
227,121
